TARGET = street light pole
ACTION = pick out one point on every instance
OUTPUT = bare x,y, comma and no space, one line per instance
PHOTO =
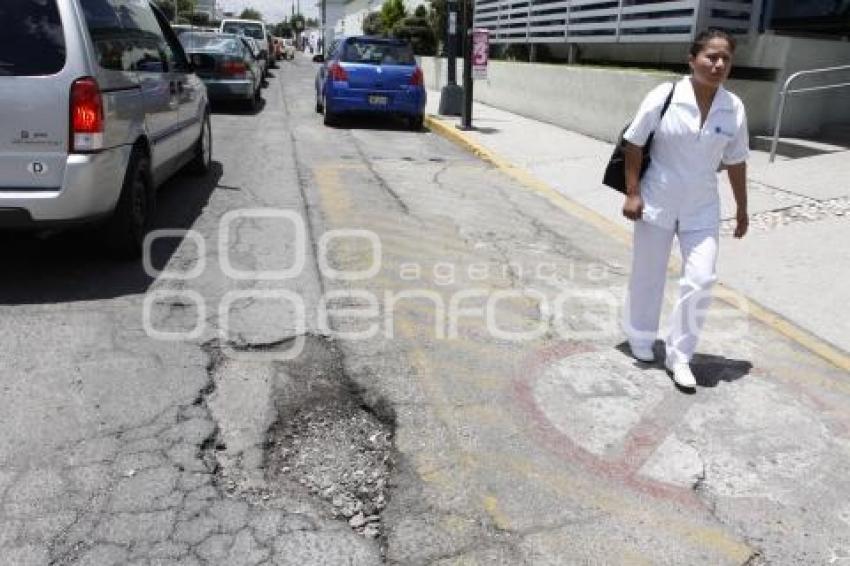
466,115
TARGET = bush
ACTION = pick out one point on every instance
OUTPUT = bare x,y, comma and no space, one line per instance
392,12
373,24
418,31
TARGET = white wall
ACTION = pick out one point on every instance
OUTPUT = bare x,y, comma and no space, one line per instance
806,113
594,101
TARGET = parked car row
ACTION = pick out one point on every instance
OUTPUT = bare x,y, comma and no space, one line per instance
370,75
229,64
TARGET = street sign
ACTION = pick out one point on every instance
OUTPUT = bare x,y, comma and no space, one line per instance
480,50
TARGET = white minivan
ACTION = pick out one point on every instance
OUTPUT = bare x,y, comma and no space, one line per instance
254,29
98,107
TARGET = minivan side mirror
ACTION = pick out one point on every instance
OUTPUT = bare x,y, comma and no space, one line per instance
318,58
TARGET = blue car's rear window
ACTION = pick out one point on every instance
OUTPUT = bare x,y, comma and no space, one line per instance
374,52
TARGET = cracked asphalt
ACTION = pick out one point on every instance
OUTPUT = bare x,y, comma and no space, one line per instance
123,446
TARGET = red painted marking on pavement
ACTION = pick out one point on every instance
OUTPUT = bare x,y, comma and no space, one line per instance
640,443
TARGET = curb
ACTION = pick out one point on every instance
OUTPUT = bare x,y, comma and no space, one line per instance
773,320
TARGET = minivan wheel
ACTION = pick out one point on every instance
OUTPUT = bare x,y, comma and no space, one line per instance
200,164
133,216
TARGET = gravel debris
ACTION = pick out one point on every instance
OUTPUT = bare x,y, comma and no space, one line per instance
809,211
340,452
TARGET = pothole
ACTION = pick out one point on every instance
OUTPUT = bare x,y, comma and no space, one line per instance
332,440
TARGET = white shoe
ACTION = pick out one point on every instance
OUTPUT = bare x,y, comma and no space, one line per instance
643,353
683,376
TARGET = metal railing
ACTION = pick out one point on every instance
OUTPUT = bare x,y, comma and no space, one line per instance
785,92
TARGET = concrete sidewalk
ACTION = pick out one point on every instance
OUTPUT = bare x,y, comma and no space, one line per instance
793,262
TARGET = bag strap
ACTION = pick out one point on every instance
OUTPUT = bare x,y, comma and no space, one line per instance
665,107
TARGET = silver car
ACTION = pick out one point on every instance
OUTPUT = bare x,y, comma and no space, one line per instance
98,106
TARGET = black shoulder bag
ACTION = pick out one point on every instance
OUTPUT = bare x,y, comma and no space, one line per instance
615,172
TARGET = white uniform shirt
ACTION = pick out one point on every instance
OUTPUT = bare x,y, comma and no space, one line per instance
681,182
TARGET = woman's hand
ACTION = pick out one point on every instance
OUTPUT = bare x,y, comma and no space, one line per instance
742,223
633,207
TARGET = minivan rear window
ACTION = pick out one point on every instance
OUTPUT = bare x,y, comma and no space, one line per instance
377,53
31,39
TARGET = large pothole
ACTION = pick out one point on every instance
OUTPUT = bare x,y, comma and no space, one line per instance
329,439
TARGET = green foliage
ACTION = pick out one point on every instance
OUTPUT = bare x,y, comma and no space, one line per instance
297,22
282,29
373,24
312,23
418,31
200,19
250,14
421,11
392,12
185,8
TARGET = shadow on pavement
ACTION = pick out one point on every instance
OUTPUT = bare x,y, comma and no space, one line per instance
374,122
709,370
73,265
237,107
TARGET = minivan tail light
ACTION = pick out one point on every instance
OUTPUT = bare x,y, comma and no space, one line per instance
337,72
418,79
86,115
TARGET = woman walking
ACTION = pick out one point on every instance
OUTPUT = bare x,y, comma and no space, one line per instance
703,128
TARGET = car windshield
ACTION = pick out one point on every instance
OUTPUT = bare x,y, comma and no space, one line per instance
209,42
244,28
377,53
31,38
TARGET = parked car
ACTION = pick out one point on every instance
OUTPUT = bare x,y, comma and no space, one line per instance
274,51
371,74
254,45
254,29
227,64
180,29
288,48
100,107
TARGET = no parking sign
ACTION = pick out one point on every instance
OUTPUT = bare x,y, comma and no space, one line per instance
480,50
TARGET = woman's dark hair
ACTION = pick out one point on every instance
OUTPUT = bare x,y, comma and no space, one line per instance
702,39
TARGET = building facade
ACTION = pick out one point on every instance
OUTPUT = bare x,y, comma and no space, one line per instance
658,21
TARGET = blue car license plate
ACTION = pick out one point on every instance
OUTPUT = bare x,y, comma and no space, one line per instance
378,100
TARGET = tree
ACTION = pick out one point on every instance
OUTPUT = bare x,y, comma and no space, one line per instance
185,8
392,12
200,19
297,22
373,24
417,30
250,14
282,29
438,17
312,23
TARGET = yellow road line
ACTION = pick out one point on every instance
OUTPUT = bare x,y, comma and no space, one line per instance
783,326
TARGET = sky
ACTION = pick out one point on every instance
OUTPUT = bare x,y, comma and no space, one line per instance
273,11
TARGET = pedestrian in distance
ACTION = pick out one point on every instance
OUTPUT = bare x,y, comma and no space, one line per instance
703,129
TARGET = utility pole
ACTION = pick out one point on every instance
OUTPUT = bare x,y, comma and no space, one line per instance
451,95
466,117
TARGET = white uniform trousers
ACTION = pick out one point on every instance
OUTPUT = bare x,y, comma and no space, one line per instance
646,288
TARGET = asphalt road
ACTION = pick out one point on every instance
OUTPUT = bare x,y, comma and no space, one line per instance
431,302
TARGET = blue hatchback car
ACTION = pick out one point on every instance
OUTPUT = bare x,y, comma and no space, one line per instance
374,75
